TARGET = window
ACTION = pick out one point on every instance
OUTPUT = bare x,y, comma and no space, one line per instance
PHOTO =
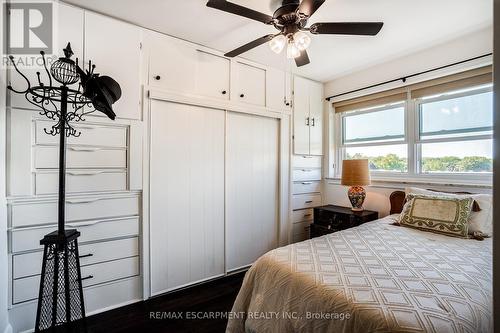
441,136
455,133
377,134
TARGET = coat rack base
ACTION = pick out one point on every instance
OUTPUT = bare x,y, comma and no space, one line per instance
60,302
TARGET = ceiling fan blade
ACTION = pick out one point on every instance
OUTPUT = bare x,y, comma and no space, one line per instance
302,59
347,28
249,46
308,7
240,10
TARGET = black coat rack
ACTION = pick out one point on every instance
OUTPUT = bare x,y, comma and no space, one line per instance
60,301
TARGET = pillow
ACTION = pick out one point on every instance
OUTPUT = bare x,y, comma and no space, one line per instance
481,220
443,215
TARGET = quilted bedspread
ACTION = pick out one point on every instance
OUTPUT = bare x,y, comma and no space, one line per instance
373,278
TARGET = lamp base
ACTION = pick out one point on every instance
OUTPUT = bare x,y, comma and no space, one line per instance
357,195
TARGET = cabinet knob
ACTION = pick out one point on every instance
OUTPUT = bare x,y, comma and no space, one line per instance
157,77
287,104
242,95
223,92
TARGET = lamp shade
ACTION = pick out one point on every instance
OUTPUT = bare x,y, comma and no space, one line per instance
355,172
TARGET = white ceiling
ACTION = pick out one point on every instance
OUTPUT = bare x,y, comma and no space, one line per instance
410,26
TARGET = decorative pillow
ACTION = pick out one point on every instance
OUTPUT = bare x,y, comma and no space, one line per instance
443,215
481,220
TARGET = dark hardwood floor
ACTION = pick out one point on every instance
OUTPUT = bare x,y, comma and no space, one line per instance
151,316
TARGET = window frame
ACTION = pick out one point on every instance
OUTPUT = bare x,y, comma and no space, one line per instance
419,142
413,142
403,141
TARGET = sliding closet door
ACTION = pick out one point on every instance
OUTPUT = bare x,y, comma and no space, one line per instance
186,195
252,188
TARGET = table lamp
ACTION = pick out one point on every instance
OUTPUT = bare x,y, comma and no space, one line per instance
356,174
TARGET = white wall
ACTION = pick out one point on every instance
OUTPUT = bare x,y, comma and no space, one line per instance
469,46
4,322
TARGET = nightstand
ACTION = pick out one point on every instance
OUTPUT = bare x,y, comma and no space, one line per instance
330,218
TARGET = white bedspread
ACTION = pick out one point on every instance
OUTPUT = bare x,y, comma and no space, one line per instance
373,278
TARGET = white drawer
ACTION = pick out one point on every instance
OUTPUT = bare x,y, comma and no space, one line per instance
77,209
26,289
301,228
306,161
301,201
306,174
29,264
81,181
302,215
306,187
47,157
91,135
29,238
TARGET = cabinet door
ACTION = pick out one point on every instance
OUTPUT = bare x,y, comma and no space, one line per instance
252,188
275,89
316,118
288,91
186,195
68,25
212,75
172,64
301,119
251,84
114,47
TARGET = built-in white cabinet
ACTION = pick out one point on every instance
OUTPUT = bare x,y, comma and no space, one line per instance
176,66
250,84
278,90
115,48
307,117
252,188
68,27
186,195
194,72
212,75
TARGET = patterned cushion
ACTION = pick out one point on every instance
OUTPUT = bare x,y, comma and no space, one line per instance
481,220
444,215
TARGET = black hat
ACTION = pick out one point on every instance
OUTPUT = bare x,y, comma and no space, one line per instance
107,93
103,91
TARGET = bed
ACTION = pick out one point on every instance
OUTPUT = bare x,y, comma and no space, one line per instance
377,277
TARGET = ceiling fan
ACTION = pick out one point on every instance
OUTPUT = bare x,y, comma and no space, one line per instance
291,19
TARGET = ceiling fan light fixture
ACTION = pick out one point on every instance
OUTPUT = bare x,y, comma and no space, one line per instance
292,51
277,44
301,40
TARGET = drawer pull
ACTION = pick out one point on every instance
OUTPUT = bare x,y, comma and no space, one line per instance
308,201
86,255
80,224
81,201
84,149
84,173
306,170
87,277
307,215
306,183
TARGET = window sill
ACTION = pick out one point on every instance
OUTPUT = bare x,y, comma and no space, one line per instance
400,182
